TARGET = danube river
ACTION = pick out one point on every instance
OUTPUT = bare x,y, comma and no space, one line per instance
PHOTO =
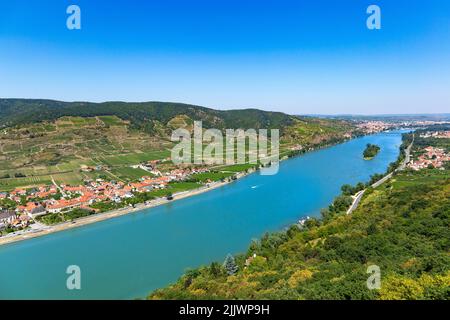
129,256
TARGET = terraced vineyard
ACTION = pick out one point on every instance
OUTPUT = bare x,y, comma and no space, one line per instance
34,154
57,148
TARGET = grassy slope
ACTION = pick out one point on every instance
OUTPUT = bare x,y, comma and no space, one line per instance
403,227
59,148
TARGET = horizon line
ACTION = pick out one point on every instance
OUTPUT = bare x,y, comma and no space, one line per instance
240,108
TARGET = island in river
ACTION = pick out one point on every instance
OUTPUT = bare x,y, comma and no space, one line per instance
371,151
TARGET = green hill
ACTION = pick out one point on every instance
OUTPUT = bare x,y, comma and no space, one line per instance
45,139
144,115
402,227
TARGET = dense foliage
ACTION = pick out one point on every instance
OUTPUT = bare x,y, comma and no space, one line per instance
55,218
371,151
145,115
401,226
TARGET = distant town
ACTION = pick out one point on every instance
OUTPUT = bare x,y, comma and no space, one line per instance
378,126
431,156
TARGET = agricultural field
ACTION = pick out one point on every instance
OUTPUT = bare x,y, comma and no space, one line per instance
173,188
313,131
71,178
34,154
135,158
111,120
235,168
422,177
129,173
11,184
212,176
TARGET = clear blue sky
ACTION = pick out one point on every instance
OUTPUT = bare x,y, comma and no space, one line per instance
304,56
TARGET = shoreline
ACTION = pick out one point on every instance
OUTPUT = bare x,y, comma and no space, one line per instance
46,230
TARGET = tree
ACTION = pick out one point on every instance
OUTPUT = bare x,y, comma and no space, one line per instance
190,276
326,214
347,189
23,200
8,204
215,269
359,186
230,265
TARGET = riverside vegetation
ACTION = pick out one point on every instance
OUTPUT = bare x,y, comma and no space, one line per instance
401,226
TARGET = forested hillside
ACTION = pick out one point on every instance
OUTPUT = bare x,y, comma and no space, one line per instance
402,227
145,115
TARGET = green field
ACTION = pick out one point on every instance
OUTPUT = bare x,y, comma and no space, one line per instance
134,158
422,177
111,120
175,187
71,178
212,176
236,168
60,148
128,173
11,184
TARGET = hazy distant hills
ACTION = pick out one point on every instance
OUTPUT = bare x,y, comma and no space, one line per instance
390,117
144,115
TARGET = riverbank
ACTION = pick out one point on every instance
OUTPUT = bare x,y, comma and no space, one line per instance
352,240
150,249
40,229
358,196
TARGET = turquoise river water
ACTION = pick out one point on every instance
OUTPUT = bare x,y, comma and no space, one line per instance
129,256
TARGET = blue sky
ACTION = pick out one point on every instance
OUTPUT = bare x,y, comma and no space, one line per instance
314,56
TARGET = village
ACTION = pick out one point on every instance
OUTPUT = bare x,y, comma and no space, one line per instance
22,207
370,127
436,134
432,158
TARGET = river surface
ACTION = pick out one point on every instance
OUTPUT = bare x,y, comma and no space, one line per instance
129,256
